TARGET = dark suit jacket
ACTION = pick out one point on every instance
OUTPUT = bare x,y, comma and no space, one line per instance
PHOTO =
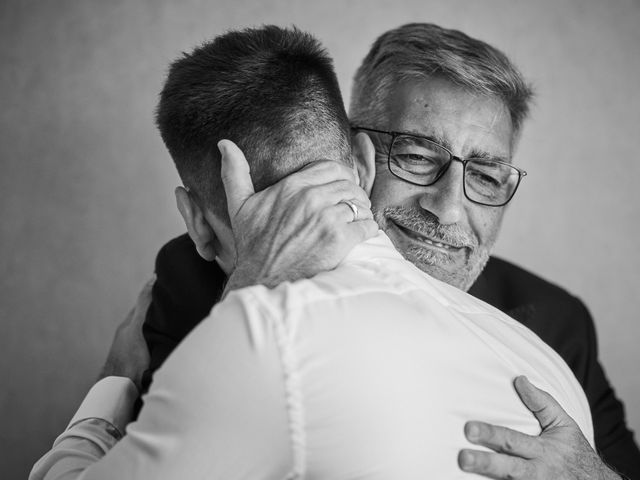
187,287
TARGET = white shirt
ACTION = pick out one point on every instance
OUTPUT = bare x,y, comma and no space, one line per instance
369,371
96,427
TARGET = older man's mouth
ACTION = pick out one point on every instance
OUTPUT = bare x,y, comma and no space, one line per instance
440,245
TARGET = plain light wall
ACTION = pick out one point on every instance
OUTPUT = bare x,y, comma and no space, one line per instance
87,186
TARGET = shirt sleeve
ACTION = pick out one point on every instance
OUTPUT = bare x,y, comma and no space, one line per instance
217,409
96,427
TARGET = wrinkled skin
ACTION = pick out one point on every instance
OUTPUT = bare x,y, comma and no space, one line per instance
296,228
560,452
436,227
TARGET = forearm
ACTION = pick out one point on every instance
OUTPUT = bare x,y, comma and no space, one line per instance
215,410
94,430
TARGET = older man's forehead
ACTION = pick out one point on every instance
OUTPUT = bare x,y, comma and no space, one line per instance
468,124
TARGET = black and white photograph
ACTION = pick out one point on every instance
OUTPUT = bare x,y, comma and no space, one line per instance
336,240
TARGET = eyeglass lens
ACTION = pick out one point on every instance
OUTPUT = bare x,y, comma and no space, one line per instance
423,162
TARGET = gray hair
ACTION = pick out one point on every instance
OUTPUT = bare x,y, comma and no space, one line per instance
423,50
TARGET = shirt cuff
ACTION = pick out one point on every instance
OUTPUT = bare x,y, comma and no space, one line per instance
111,399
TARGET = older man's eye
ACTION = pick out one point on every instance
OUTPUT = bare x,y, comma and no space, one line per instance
416,163
415,153
483,178
414,158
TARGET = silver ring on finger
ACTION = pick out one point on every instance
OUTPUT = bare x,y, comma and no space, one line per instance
353,207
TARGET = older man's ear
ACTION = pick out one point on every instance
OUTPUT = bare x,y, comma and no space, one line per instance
197,225
364,155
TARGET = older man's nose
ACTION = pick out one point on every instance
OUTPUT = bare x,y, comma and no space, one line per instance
445,199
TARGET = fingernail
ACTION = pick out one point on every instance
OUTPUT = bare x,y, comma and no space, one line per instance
473,431
466,460
222,147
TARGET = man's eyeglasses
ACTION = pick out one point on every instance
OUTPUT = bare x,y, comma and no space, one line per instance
420,161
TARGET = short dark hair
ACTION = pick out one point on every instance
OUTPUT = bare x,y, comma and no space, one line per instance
423,50
273,91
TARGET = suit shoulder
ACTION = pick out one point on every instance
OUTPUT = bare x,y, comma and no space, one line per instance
179,254
178,264
515,287
180,246
558,317
522,283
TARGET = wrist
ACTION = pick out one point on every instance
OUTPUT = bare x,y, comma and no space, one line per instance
111,369
610,473
613,475
247,275
241,277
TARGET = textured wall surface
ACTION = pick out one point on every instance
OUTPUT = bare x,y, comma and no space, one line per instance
87,187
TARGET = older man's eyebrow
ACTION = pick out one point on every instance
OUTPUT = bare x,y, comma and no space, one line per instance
477,153
435,138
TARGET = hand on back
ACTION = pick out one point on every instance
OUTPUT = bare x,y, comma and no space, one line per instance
129,355
560,452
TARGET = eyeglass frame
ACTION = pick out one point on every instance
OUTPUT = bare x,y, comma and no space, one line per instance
445,167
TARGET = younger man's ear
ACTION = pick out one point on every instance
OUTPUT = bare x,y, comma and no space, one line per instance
197,226
365,160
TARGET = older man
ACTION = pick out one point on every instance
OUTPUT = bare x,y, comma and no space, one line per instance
447,108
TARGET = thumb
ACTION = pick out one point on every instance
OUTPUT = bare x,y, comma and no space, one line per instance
544,407
144,298
139,312
234,171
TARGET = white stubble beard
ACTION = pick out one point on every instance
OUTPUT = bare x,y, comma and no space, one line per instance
432,262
